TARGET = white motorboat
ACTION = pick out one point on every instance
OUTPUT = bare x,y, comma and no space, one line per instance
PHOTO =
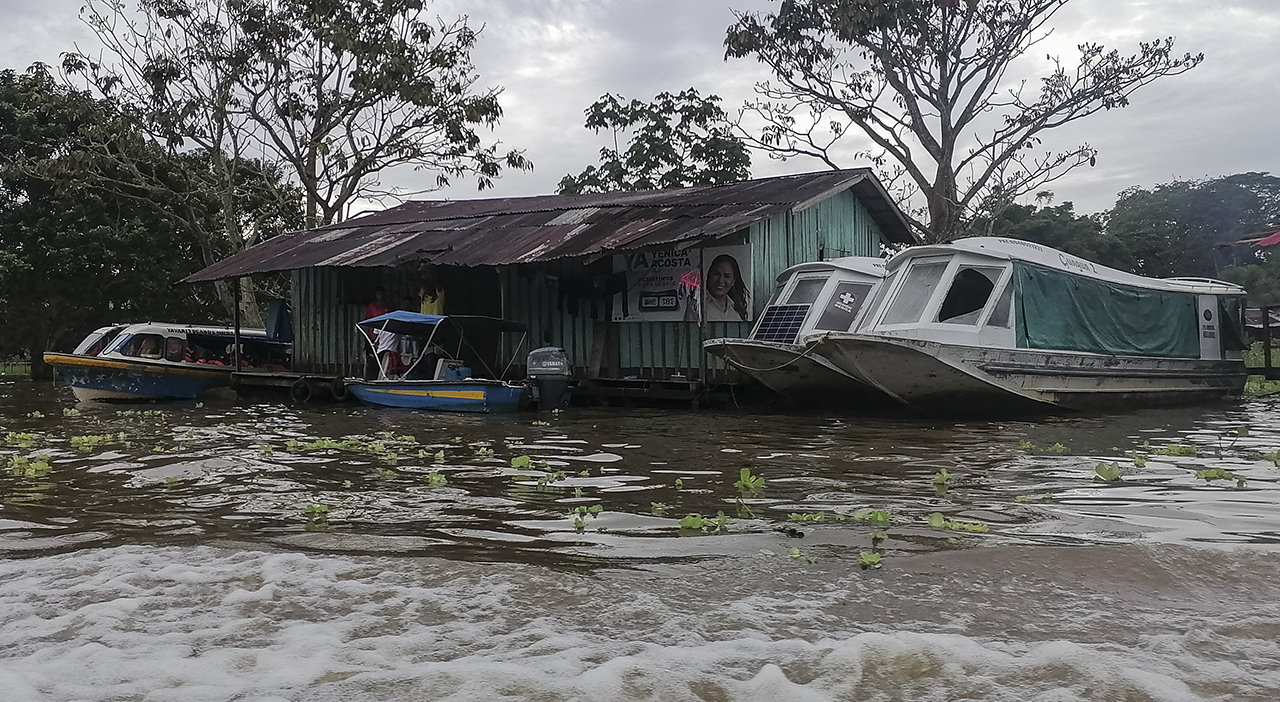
1001,324
160,361
810,298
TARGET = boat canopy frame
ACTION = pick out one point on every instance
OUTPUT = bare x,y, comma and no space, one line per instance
417,324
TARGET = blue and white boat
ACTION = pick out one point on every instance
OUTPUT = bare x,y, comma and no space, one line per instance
160,361
420,364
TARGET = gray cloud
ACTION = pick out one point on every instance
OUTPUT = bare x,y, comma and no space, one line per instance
554,57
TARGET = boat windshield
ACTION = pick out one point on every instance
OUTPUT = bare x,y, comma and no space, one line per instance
806,290
915,292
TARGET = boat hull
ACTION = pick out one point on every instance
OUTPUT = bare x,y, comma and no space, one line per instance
438,395
790,371
94,378
941,378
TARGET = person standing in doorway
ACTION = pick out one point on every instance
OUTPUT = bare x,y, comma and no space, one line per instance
430,293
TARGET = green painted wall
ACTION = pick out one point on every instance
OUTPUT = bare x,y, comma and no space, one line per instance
535,294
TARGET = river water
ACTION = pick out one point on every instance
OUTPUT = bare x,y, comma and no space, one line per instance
261,551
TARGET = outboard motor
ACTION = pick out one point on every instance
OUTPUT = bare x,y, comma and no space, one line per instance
549,371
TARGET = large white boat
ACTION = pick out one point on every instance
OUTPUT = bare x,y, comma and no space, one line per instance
159,361
993,324
810,299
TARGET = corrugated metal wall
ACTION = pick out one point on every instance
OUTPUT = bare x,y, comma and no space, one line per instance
325,339
533,294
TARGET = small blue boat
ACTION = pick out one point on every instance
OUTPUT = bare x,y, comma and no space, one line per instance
416,371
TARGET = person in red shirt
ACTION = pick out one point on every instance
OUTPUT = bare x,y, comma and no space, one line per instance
379,304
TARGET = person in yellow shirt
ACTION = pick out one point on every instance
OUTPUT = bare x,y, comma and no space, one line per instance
431,294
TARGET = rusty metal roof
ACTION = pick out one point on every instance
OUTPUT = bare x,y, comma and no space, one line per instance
501,231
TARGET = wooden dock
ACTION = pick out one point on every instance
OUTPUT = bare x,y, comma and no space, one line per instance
302,387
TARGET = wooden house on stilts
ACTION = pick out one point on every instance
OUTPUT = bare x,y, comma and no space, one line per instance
615,279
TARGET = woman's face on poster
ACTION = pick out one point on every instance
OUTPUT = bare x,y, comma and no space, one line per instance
720,279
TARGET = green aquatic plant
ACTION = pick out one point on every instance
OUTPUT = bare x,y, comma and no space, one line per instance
89,442
267,450
549,478
806,517
584,473
942,477
748,483
1274,457
1139,460
35,467
1107,472
659,509
1177,450
317,516
1220,474
877,516
386,474
520,462
1043,497
35,414
539,423
577,492
1055,448
1242,431
938,521
796,554
1027,446
744,510
679,483
484,452
70,412
20,439
869,560
697,522
580,514
878,535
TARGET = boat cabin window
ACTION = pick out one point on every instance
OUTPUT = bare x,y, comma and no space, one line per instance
1000,316
806,290
970,290
843,305
914,293
175,349
143,346
97,342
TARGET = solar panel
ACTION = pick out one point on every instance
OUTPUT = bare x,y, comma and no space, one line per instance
781,323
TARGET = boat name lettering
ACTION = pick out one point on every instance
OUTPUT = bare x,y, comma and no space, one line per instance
1075,263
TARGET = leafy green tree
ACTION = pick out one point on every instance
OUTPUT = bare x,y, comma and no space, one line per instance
75,257
1057,226
1178,228
672,142
338,90
927,82
279,96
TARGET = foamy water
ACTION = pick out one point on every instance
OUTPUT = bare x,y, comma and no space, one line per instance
222,623
179,562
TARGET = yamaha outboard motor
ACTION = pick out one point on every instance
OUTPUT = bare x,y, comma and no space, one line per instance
549,372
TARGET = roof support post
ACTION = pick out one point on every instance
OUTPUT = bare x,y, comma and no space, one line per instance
236,333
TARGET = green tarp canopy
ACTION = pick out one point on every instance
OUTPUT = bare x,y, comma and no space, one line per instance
1067,312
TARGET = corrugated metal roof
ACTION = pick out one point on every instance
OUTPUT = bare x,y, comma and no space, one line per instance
502,231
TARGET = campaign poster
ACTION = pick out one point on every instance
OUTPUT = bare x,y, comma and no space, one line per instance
685,285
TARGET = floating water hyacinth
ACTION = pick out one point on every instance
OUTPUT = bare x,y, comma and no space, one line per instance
1107,472
748,483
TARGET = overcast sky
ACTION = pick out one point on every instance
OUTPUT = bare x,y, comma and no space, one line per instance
555,57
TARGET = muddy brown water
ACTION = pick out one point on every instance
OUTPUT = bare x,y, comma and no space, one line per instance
258,550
